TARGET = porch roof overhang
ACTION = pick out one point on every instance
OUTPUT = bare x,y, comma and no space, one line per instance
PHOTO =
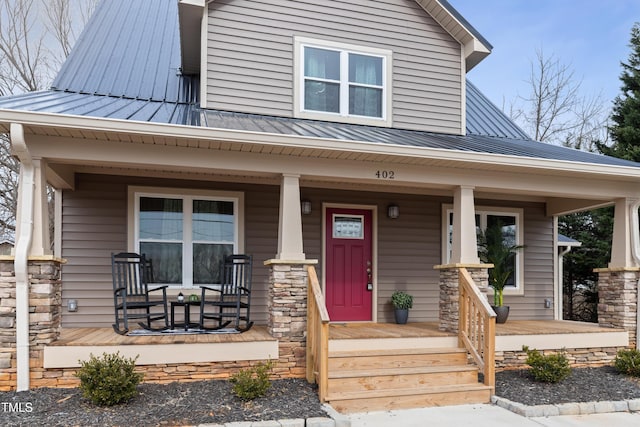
76,143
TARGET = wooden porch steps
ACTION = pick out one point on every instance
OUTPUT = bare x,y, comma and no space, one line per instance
383,379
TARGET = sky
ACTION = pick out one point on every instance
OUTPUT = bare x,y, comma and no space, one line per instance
589,36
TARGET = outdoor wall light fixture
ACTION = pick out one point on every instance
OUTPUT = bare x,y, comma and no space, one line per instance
393,211
305,207
72,305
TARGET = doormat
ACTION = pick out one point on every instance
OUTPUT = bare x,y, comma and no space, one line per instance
190,331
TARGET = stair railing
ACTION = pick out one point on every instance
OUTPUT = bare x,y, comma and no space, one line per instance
477,327
317,336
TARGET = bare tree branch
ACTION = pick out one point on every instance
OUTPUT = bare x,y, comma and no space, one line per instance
9,187
23,59
555,111
86,8
59,24
27,65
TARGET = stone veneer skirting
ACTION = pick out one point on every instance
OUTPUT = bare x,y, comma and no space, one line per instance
578,357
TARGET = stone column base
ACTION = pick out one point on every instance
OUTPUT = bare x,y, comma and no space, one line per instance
287,306
45,313
618,299
450,294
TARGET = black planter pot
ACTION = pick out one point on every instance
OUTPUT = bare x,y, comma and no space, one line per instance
401,316
502,313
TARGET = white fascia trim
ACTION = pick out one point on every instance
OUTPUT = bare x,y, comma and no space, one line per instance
452,23
164,130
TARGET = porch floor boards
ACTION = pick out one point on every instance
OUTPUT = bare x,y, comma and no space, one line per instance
545,327
345,331
107,336
337,331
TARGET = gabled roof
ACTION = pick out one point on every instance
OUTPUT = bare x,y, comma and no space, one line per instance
131,74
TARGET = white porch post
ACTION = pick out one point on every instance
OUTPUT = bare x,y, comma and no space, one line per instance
290,245
621,244
464,248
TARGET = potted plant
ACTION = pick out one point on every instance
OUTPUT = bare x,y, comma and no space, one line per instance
494,249
401,302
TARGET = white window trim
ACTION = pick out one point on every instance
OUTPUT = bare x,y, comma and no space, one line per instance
134,192
518,213
298,104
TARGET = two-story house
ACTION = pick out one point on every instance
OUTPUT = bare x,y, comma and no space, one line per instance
335,139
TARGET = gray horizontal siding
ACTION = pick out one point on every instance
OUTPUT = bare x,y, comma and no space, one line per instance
94,225
410,246
250,55
539,252
538,263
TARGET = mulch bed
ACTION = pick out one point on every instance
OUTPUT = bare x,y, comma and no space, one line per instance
161,405
583,385
213,402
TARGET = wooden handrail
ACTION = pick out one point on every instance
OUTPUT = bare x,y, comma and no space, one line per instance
477,327
317,335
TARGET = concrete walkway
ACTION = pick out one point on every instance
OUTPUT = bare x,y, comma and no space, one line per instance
486,416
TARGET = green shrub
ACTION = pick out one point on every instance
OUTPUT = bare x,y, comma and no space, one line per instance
252,382
550,368
628,362
108,380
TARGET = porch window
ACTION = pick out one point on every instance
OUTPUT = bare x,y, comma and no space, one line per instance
510,221
185,236
342,82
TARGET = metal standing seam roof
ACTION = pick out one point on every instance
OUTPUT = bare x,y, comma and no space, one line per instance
567,241
126,64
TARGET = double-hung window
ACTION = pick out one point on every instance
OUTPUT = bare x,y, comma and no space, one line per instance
510,222
343,82
185,234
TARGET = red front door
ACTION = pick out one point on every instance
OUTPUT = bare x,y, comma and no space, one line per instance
349,264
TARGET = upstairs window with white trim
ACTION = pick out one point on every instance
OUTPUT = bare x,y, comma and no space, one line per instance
343,83
186,237
510,221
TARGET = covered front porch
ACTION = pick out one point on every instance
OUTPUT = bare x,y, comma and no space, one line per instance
98,209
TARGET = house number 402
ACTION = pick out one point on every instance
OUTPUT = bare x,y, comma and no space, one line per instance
385,174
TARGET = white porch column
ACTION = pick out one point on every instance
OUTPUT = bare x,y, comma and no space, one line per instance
464,248
290,223
621,244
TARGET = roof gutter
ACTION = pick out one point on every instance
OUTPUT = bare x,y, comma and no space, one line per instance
26,191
